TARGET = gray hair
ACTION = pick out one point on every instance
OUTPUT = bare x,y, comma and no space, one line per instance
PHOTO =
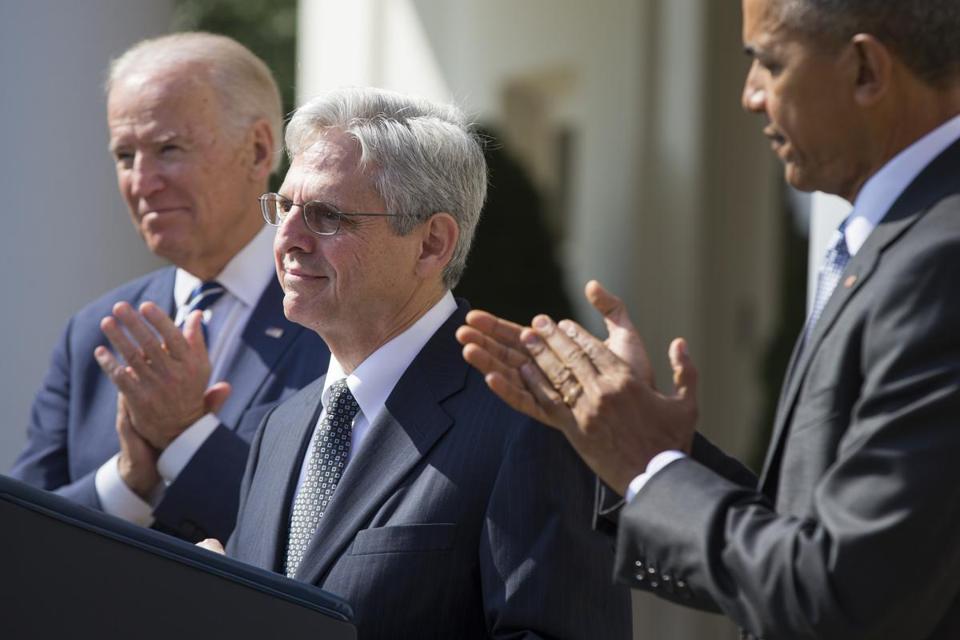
924,34
423,157
242,81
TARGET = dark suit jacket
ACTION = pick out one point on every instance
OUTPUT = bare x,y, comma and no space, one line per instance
854,531
72,423
456,518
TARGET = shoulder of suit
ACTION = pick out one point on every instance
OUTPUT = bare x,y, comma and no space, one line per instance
131,291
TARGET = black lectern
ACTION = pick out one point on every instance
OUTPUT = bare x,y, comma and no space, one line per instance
70,572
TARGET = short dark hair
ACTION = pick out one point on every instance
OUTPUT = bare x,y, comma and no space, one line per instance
924,34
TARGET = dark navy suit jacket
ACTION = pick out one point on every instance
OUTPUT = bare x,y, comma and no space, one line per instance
72,423
456,518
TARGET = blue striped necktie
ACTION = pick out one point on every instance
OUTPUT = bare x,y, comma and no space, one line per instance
201,299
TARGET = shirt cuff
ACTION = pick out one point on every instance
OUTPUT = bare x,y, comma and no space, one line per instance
656,463
117,499
179,452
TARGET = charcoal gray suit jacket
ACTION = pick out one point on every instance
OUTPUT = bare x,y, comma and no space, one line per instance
456,518
854,528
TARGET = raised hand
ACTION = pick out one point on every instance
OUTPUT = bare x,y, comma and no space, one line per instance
600,394
165,375
137,463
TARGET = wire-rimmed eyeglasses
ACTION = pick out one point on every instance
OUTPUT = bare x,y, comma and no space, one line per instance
322,218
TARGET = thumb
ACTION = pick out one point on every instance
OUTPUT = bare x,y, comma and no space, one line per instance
623,338
685,374
614,312
215,396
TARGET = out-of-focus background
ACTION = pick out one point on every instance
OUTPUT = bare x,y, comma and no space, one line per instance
617,146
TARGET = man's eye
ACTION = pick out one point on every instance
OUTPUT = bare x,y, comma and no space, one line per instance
124,158
167,149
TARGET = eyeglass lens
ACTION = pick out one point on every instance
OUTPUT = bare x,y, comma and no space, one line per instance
319,217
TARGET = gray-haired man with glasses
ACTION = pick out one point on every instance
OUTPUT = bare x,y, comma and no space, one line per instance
194,119
398,480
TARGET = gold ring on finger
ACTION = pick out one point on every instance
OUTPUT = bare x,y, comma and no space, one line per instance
570,397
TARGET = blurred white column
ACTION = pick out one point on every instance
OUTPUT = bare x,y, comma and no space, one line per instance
380,43
67,237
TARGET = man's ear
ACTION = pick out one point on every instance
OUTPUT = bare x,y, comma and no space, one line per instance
260,141
438,240
874,69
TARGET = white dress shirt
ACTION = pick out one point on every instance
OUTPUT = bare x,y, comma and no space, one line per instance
245,278
876,197
372,382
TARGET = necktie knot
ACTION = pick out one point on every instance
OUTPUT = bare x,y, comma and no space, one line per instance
204,296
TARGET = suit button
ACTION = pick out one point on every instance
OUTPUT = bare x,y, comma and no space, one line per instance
639,577
639,564
654,584
652,570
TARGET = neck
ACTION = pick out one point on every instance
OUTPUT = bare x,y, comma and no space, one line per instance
209,266
358,344
922,110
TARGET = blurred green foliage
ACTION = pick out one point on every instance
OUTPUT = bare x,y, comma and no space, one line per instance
266,27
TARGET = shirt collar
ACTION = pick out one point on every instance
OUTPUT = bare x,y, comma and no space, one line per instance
244,277
372,382
885,186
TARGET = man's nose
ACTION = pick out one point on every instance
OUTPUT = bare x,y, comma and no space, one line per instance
292,232
754,95
146,177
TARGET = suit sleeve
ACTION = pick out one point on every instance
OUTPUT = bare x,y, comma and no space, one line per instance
878,556
203,501
45,462
544,572
249,471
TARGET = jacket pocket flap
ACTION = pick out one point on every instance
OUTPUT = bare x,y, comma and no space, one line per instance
404,538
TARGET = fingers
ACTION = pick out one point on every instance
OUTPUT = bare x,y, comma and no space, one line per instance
193,331
594,348
685,374
122,376
173,340
610,306
122,344
215,396
559,356
141,333
624,341
516,395
506,356
503,331
212,544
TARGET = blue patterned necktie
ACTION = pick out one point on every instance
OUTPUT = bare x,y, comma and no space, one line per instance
201,299
328,457
834,262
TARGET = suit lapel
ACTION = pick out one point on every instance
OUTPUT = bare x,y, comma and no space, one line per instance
411,423
935,182
159,290
267,335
